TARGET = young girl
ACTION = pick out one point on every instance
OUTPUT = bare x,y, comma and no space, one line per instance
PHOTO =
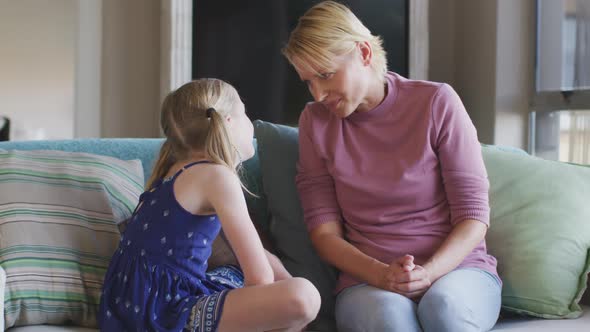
157,279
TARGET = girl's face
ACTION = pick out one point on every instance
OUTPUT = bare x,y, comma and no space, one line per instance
242,132
344,88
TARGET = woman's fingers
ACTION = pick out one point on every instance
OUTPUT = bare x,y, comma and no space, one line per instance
412,286
418,273
411,283
406,262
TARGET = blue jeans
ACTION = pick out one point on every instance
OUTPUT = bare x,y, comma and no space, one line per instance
465,299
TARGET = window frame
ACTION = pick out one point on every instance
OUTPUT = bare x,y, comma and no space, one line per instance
551,101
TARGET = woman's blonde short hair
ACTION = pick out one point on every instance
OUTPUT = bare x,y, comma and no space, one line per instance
327,30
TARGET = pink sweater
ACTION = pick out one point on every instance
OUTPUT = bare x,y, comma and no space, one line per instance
398,176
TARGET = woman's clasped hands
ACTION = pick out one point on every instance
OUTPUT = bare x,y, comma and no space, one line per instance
406,278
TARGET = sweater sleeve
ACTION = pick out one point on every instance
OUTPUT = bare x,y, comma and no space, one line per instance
314,183
459,153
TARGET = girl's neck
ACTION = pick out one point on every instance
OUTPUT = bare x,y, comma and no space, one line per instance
193,157
196,156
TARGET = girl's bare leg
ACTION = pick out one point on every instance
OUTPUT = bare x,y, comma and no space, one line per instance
286,305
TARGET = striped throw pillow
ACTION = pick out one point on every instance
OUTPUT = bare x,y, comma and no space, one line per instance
58,229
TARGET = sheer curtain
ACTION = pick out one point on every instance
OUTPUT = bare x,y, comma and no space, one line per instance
579,137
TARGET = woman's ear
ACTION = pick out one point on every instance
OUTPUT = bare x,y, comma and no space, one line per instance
366,52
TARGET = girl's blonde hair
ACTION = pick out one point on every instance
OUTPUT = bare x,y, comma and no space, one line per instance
327,30
188,126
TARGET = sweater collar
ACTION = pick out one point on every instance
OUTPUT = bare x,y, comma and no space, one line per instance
384,106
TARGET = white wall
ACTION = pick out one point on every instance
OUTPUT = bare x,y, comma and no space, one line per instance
482,48
475,58
515,54
80,68
37,55
442,41
462,53
485,50
87,106
130,68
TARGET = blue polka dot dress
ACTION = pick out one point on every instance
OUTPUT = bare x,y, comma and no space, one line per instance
157,279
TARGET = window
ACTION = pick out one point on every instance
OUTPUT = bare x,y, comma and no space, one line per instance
560,121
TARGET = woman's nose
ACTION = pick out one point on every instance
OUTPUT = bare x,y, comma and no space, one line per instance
317,92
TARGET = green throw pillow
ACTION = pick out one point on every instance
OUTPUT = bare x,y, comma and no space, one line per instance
278,152
539,232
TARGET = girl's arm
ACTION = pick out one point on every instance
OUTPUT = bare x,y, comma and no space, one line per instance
278,269
225,195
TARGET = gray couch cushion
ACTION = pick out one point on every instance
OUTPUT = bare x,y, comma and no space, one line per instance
278,152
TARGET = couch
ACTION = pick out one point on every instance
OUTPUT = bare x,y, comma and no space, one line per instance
146,150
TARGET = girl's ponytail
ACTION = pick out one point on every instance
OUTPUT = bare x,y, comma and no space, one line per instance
218,143
165,161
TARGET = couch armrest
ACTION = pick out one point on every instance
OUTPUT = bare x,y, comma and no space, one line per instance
2,287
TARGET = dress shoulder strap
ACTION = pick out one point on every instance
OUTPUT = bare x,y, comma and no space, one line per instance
189,165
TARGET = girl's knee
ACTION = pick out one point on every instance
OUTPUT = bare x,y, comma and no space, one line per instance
303,299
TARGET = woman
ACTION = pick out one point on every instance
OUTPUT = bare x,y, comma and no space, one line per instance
393,185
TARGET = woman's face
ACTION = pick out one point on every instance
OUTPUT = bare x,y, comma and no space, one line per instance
242,132
344,88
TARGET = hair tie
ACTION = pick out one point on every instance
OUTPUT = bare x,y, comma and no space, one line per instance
210,111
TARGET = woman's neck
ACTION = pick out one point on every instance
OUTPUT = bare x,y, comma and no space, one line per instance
376,93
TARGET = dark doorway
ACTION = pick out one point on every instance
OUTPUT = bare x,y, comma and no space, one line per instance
240,42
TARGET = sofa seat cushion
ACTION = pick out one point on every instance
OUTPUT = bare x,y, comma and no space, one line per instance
278,151
523,324
506,325
49,328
